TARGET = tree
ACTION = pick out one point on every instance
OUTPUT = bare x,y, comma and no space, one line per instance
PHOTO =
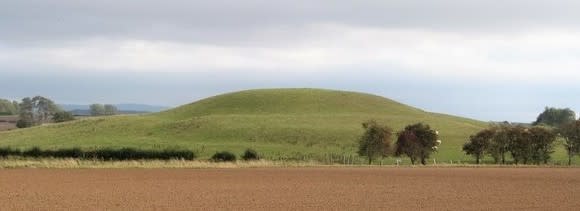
478,144
376,141
110,109
499,144
571,134
43,109
519,144
542,140
35,111
26,114
97,109
417,141
63,116
555,117
7,107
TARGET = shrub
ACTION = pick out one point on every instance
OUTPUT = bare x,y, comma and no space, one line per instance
63,116
223,156
250,154
23,124
7,151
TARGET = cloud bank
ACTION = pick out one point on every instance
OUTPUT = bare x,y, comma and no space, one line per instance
521,43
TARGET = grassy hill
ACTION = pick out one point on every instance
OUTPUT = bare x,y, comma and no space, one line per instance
290,123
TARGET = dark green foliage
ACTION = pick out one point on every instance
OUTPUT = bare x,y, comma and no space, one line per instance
26,114
555,117
530,144
24,123
223,156
101,154
63,116
571,134
407,144
416,141
376,141
7,151
499,145
526,145
478,144
34,152
542,140
250,154
519,144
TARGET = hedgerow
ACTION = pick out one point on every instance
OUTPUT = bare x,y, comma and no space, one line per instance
101,154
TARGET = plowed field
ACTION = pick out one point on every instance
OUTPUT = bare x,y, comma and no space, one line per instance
291,189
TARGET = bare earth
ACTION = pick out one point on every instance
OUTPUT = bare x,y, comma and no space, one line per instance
8,122
291,189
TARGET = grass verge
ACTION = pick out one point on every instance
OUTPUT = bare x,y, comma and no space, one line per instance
70,163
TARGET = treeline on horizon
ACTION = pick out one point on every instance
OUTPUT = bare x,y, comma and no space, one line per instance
39,110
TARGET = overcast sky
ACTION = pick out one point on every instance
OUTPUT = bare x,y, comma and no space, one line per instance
489,60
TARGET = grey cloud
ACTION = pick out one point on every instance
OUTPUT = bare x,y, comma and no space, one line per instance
231,22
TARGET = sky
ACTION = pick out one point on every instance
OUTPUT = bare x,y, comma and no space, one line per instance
488,60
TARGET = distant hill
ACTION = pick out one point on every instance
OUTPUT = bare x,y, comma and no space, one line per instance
279,123
123,108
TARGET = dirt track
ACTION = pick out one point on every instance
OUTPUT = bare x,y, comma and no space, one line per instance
291,188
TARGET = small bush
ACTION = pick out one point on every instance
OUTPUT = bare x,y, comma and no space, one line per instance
23,124
63,116
34,152
250,154
223,156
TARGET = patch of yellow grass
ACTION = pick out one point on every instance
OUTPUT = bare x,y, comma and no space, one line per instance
77,163
16,162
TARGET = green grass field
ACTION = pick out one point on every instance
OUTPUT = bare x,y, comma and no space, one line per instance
278,123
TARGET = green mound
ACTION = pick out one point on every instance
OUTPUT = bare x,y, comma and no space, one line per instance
279,123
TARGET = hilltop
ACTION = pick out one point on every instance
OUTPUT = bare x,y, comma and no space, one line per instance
290,123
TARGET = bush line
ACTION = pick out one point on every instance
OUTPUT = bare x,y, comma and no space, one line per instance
101,154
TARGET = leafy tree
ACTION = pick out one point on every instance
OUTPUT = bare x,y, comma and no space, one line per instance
571,134
63,116
417,141
26,113
542,140
16,107
35,111
519,144
43,109
555,117
376,141
478,144
499,144
110,109
97,109
7,107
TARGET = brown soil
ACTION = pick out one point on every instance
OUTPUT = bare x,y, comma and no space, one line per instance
8,122
291,189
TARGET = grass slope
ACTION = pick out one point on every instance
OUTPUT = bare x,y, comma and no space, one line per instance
287,123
